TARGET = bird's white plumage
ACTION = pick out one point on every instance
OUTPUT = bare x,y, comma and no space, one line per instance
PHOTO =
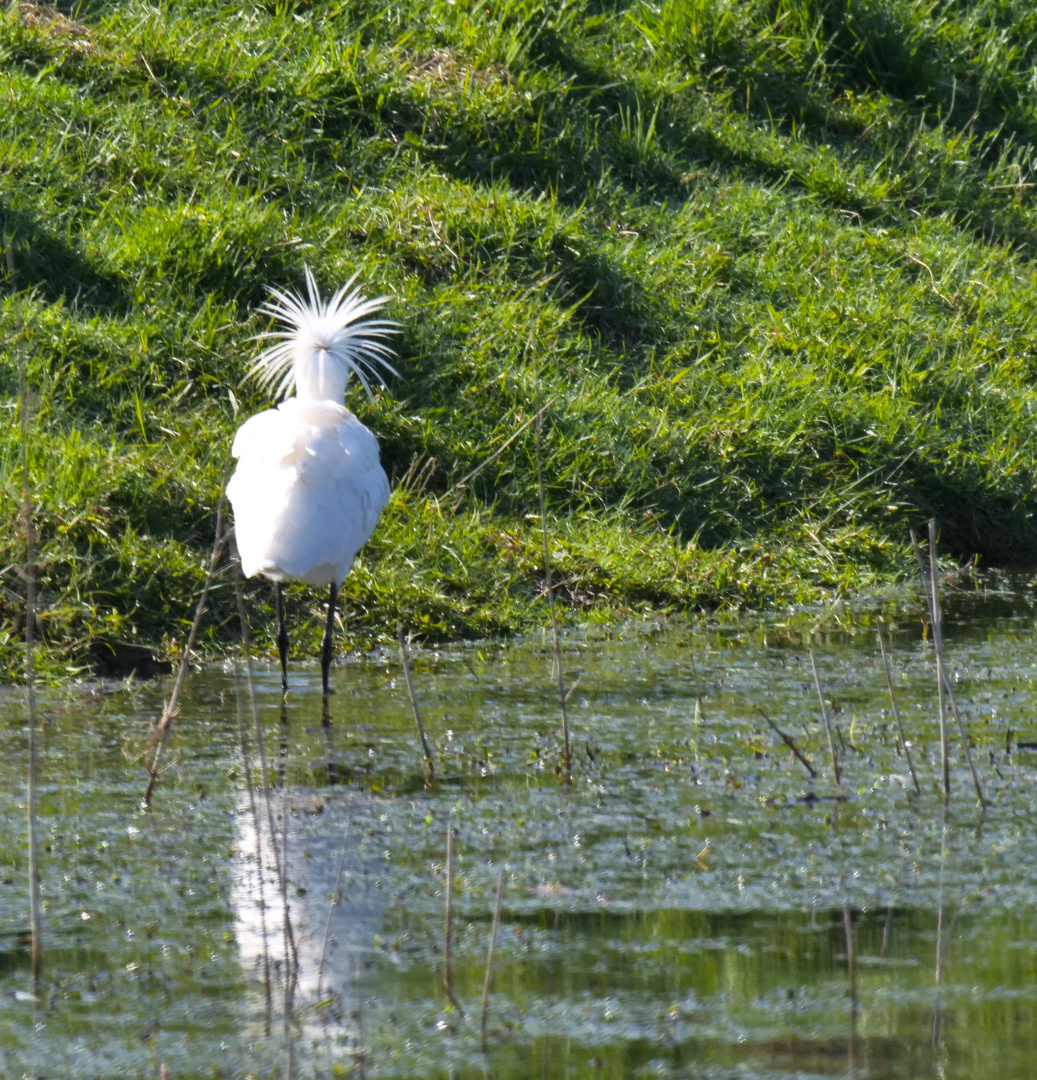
308,489
307,492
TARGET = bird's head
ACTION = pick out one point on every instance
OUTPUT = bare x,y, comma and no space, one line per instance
325,344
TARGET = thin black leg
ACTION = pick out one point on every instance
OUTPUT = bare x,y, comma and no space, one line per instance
325,645
282,638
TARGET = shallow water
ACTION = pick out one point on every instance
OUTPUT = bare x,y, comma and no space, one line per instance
681,908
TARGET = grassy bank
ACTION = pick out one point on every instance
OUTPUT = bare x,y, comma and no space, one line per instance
767,264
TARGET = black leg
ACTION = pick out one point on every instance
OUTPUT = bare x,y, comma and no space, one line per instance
282,638
325,645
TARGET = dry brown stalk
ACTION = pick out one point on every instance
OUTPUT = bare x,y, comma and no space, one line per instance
172,707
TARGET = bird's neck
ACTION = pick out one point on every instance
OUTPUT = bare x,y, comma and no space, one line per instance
321,378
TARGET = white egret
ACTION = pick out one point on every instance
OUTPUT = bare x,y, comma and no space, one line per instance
309,489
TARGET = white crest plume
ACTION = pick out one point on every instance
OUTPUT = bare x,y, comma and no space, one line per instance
326,343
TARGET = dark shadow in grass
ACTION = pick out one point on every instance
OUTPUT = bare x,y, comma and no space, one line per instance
973,520
768,96
894,48
55,269
871,48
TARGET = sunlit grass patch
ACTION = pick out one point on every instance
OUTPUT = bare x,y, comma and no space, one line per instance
765,266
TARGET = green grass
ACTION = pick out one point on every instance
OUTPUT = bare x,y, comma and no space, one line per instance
770,263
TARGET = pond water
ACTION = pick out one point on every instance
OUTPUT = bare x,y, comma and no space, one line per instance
691,904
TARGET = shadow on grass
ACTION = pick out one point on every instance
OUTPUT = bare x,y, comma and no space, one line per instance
54,268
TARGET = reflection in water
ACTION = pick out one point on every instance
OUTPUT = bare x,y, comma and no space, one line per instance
694,904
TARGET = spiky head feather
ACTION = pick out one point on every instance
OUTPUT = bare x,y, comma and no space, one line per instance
326,344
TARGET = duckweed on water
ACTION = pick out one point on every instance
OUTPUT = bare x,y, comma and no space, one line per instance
677,909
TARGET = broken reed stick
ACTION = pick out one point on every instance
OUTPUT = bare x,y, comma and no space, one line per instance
30,666
828,719
567,753
896,708
490,953
172,706
941,666
430,766
789,743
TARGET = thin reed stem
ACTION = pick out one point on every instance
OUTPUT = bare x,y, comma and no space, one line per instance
291,959
896,708
430,765
700,712
941,683
567,754
448,928
941,931
246,756
24,407
851,962
336,897
490,954
291,956
887,931
930,589
172,706
941,669
851,971
257,727
534,419
828,719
